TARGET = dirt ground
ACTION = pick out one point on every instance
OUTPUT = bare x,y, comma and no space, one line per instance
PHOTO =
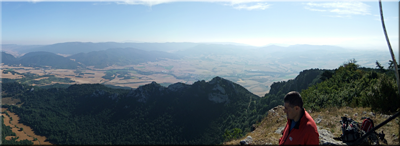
27,132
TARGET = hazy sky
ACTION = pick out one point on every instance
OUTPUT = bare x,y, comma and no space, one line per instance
257,23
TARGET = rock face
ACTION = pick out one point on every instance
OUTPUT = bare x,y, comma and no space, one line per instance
144,92
247,141
279,130
318,120
326,138
218,94
177,87
218,90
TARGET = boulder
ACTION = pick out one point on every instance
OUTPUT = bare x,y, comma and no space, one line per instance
247,141
253,127
318,120
371,114
326,138
279,130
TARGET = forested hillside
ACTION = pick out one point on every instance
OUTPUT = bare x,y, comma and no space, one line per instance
278,90
348,85
8,59
152,114
351,85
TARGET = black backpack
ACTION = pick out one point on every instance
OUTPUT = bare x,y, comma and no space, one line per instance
350,130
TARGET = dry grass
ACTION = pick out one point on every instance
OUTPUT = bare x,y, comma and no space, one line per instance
27,132
9,75
265,132
10,101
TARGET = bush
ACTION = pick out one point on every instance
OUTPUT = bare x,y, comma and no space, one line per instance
383,96
232,134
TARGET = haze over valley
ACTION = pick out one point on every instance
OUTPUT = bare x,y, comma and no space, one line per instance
255,68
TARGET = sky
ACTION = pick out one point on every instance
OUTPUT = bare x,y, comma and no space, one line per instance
350,24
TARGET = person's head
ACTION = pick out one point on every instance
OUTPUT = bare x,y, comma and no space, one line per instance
293,105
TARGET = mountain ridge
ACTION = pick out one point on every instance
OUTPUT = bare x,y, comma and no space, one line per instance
205,107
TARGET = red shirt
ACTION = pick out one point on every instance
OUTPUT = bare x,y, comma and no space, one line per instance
304,132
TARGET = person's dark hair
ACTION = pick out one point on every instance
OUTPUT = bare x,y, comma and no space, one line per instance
294,99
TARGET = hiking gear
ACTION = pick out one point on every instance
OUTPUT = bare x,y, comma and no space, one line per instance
379,126
304,132
367,124
350,130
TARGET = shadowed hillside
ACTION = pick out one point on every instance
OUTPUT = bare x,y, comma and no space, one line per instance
151,114
121,56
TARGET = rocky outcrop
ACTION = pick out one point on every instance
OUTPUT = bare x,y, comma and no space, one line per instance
144,92
326,138
219,94
98,93
247,141
177,87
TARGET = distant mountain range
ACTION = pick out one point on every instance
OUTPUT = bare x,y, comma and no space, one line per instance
39,59
98,59
313,55
121,56
85,47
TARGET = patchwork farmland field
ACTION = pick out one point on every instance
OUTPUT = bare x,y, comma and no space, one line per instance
256,76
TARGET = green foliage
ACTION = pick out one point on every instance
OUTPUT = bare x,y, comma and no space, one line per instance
353,86
86,114
383,92
11,71
30,79
232,134
120,73
278,90
379,66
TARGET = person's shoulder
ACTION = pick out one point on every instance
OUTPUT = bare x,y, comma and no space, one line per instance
310,124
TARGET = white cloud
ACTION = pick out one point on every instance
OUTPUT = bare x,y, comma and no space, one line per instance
261,6
340,8
311,9
237,4
144,2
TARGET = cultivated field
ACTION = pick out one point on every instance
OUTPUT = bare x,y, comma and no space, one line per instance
256,76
